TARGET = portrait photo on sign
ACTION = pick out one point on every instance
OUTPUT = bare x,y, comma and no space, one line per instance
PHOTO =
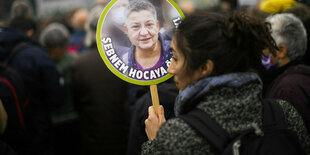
134,38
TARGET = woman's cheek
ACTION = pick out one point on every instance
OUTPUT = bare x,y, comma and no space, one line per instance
152,32
135,38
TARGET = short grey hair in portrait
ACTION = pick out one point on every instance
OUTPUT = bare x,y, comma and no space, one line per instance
55,35
289,30
139,5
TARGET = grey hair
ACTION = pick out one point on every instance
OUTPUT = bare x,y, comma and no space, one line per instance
54,35
289,30
21,8
139,5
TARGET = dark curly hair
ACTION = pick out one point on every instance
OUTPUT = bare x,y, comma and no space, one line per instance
233,42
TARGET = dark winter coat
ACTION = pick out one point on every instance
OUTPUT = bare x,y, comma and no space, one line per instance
293,86
41,79
99,97
167,93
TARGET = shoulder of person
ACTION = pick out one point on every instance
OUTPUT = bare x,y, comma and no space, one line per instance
289,111
293,77
33,49
299,69
295,123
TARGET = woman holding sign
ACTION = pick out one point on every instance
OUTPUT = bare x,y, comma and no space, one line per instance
150,49
214,61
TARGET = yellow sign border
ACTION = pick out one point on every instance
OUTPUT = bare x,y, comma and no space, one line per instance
107,62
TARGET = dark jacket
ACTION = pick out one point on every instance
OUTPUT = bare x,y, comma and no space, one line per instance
41,79
235,109
306,57
99,97
6,150
293,85
167,93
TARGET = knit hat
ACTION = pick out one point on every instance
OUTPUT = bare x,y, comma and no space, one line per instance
276,6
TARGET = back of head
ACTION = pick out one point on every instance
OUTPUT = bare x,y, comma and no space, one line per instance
21,8
23,23
234,43
22,17
287,29
54,35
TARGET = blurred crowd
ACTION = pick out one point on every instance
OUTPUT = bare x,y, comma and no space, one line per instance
73,104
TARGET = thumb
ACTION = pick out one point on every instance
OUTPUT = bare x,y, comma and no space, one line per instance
161,114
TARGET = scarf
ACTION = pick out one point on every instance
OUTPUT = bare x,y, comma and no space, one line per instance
203,86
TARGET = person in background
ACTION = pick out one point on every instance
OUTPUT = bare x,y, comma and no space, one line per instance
99,97
4,148
216,74
290,77
4,12
167,93
188,7
2,21
301,10
232,3
3,118
21,8
55,38
77,39
41,80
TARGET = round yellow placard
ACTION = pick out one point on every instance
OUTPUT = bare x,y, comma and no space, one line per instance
134,38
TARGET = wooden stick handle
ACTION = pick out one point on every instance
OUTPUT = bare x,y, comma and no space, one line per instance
155,99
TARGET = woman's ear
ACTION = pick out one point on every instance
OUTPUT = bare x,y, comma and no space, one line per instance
282,51
207,68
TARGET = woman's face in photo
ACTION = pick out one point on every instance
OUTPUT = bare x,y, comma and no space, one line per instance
142,29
